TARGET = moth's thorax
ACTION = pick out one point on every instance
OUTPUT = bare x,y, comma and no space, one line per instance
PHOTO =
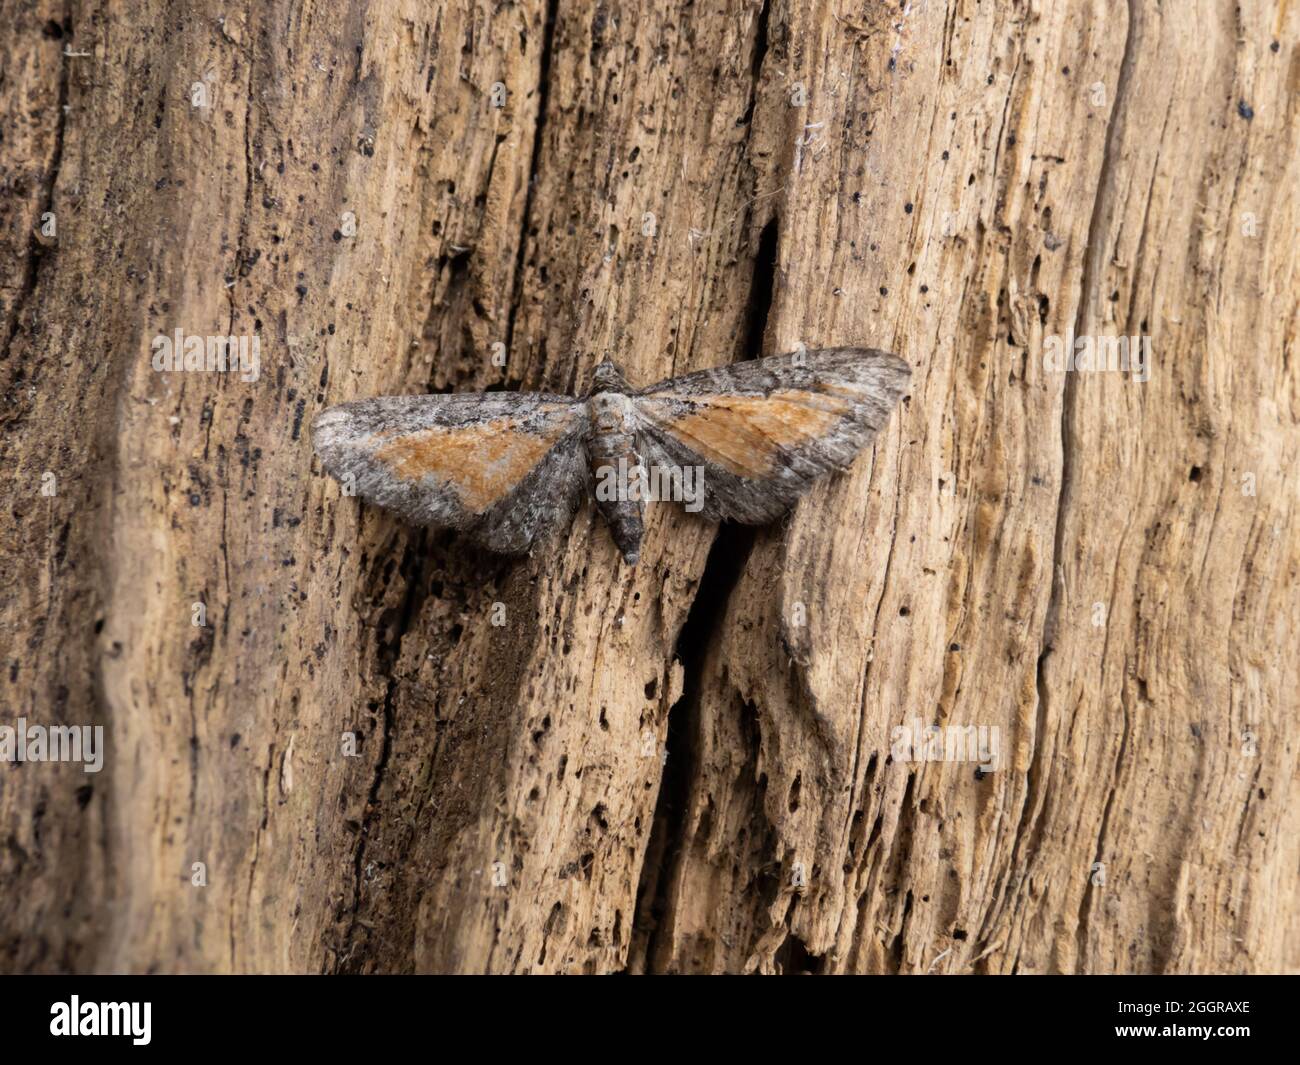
611,435
610,412
612,455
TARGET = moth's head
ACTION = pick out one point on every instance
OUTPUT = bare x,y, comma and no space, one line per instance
608,377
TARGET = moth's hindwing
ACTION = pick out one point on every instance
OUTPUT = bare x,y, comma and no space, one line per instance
503,467
764,430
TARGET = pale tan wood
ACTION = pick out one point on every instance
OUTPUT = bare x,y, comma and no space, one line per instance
680,187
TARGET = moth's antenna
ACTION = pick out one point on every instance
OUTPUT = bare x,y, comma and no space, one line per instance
616,332
590,319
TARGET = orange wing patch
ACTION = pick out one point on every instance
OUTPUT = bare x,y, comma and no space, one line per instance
743,434
483,463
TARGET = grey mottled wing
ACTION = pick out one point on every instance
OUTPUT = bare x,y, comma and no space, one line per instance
764,430
501,467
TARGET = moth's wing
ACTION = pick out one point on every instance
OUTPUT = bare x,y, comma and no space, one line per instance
764,430
502,467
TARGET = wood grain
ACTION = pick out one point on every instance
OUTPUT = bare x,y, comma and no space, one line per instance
393,753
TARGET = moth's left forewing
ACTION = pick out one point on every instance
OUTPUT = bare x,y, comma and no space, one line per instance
764,430
502,467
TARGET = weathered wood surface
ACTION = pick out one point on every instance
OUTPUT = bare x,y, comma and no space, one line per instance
1104,569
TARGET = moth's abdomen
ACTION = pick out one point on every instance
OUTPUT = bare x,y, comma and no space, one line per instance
616,473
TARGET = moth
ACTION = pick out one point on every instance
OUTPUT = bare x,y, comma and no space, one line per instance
506,468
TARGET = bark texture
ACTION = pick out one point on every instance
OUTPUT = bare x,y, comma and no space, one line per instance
562,764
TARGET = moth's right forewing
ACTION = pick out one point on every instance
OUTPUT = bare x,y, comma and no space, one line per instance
501,467
764,430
